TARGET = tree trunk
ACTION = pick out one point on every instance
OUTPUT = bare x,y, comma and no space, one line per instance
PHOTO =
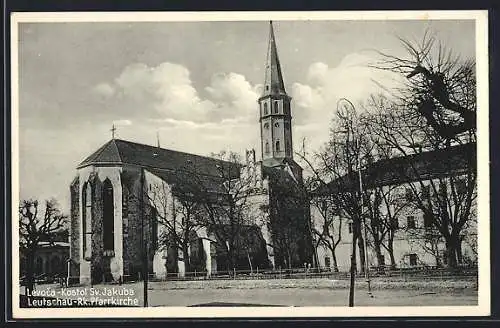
250,262
187,259
451,253
334,259
353,271
390,247
30,272
361,247
454,250
378,252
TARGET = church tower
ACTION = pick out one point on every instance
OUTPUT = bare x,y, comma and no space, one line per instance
274,105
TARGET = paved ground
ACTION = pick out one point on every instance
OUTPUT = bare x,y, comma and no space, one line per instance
309,297
300,292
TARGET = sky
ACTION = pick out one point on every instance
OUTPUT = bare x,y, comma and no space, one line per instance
196,84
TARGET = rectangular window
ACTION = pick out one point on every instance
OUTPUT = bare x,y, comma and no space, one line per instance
428,218
327,261
410,222
350,227
394,223
413,259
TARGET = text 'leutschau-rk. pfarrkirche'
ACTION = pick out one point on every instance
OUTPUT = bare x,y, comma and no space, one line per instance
139,208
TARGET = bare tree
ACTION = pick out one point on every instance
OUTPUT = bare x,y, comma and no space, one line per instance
327,232
226,207
177,211
443,189
440,86
35,227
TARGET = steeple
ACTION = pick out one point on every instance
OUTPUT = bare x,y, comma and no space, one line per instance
273,82
274,107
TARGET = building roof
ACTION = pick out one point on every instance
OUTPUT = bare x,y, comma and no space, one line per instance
455,160
273,82
119,152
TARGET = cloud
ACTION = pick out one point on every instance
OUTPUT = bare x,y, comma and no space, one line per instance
104,89
316,99
166,91
122,122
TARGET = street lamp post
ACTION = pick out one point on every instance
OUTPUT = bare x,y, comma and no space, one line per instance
350,112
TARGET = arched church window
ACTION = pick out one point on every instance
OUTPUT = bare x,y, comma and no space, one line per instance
266,149
265,108
278,145
276,104
87,219
108,216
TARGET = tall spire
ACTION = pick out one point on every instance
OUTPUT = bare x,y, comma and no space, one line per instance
273,83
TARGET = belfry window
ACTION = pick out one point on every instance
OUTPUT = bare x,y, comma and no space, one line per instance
265,109
278,145
266,150
276,104
108,216
87,220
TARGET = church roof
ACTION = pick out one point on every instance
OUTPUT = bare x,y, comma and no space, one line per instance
273,82
119,152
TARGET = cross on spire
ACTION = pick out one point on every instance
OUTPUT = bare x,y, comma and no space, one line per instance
113,129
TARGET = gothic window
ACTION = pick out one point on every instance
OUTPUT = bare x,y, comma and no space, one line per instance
278,145
108,216
87,220
265,108
267,148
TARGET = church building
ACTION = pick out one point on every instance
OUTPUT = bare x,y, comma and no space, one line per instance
138,208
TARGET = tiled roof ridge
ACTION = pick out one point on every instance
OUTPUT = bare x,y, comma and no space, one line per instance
97,153
176,151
